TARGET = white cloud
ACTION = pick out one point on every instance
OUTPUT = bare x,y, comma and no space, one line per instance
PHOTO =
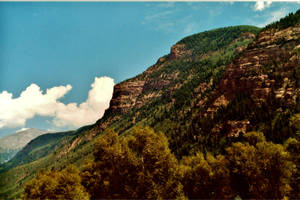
22,129
160,21
159,15
14,112
261,5
90,110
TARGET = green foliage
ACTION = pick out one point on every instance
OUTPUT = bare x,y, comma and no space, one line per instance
239,108
65,184
290,20
7,154
292,145
262,170
38,148
206,178
274,119
213,50
13,180
140,166
254,137
294,123
215,39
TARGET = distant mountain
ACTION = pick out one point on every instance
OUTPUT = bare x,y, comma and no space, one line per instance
38,148
11,144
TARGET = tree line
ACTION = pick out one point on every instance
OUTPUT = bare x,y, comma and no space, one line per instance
141,166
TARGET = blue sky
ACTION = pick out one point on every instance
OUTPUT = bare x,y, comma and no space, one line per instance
68,44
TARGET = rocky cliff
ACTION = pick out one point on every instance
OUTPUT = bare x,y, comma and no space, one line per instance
166,76
267,71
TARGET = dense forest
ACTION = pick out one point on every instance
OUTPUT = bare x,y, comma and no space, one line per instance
141,166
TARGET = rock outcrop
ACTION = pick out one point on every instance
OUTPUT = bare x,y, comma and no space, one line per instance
267,67
178,51
125,95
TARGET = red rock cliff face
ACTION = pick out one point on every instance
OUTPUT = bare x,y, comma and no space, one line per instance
268,67
136,92
131,93
178,51
253,72
125,95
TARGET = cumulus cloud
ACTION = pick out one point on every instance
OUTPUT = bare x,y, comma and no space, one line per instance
261,5
90,110
14,112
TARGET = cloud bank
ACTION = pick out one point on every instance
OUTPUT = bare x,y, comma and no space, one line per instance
14,112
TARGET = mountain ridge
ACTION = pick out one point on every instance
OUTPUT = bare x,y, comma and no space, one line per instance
8,141
13,143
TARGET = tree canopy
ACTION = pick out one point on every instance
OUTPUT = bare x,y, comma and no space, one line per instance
140,165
